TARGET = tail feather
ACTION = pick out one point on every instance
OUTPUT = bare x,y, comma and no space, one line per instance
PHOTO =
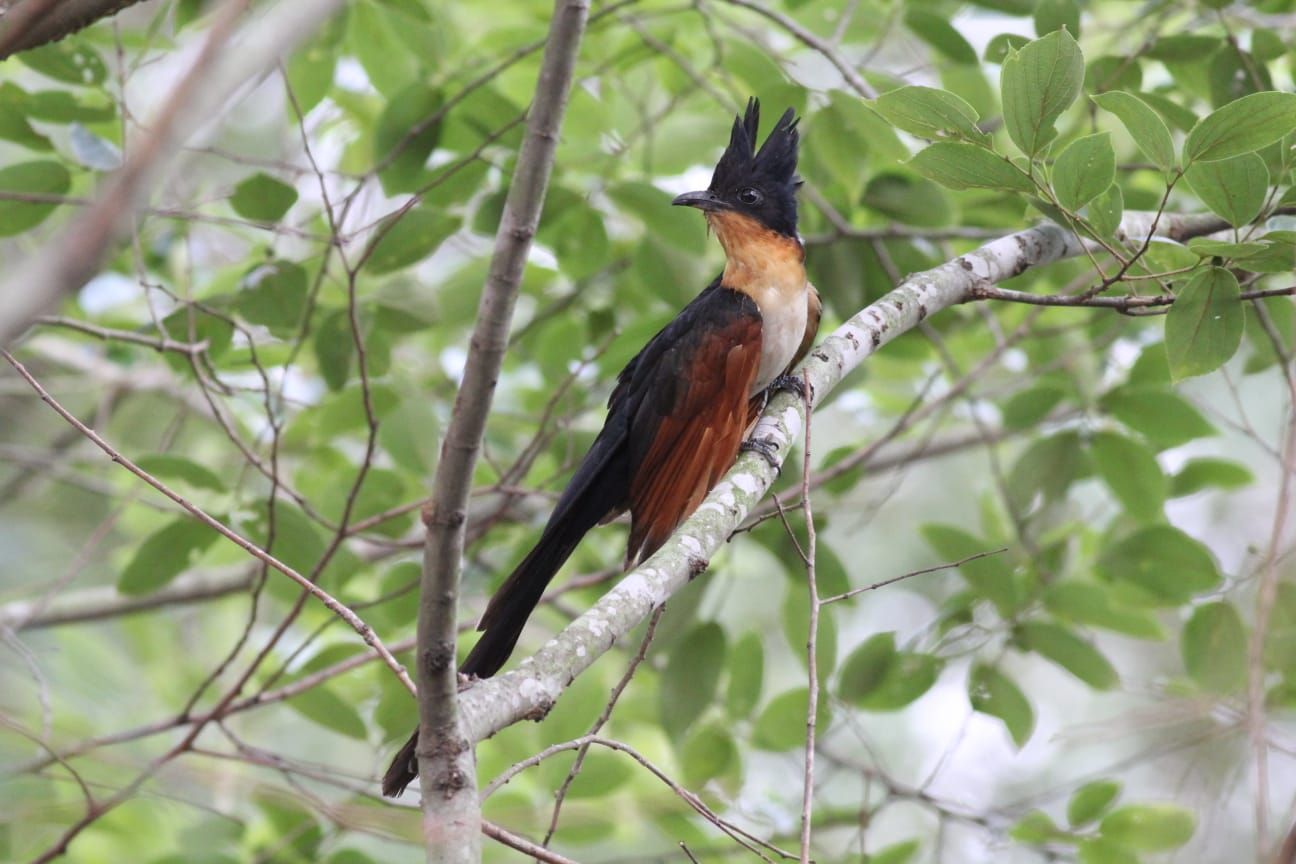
597,489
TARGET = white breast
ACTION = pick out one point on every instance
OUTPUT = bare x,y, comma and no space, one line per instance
783,309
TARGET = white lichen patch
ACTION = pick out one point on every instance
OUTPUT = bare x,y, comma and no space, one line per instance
745,483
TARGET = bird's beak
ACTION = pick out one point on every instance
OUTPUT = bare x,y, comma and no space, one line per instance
706,201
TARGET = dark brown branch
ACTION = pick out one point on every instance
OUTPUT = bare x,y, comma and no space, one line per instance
26,24
452,812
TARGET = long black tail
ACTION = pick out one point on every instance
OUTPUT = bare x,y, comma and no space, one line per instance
597,489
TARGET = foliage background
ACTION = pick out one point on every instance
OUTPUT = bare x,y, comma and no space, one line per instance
324,239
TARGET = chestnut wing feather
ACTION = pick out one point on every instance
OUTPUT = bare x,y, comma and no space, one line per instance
691,414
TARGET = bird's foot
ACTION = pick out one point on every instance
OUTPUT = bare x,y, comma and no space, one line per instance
765,448
792,383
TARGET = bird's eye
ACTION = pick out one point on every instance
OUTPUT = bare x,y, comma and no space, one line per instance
749,196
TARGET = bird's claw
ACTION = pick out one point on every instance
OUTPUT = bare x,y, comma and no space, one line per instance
764,448
792,383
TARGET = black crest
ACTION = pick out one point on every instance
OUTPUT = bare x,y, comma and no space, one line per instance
771,170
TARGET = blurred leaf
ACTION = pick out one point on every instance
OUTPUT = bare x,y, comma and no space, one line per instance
907,199
1204,326
1065,648
1052,15
896,853
746,676
168,466
1003,44
959,165
1025,408
1144,126
1091,604
1113,72
405,136
263,197
334,347
321,705
1131,471
876,677
1167,566
1149,827
1091,801
1214,647
692,673
1206,472
1242,126
1035,827
72,62
1038,83
1165,418
274,295
708,752
1047,468
936,31
407,238
164,555
1234,189
993,693
1099,850
782,723
37,181
1106,210
310,73
1084,170
990,577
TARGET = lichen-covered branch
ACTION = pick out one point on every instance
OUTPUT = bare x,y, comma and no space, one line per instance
531,689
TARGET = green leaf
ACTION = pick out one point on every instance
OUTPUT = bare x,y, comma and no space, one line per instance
1241,126
1165,566
1234,189
274,295
168,466
1046,469
1025,408
959,165
72,62
405,239
1053,15
1099,850
782,723
989,577
1091,801
1084,170
1091,604
876,677
897,853
1131,471
1143,124
929,113
908,199
334,346
322,706
407,132
1165,418
1149,827
34,179
1106,210
1065,648
1035,827
692,673
310,73
1214,648
708,752
746,676
1204,473
164,555
991,692
936,31
1037,84
263,197
1002,45
1204,326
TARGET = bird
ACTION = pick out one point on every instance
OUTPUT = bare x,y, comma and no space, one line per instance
681,409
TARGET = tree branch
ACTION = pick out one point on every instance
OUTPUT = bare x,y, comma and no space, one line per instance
530,690
64,264
451,810
26,24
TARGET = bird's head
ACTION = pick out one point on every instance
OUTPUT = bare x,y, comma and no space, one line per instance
759,184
